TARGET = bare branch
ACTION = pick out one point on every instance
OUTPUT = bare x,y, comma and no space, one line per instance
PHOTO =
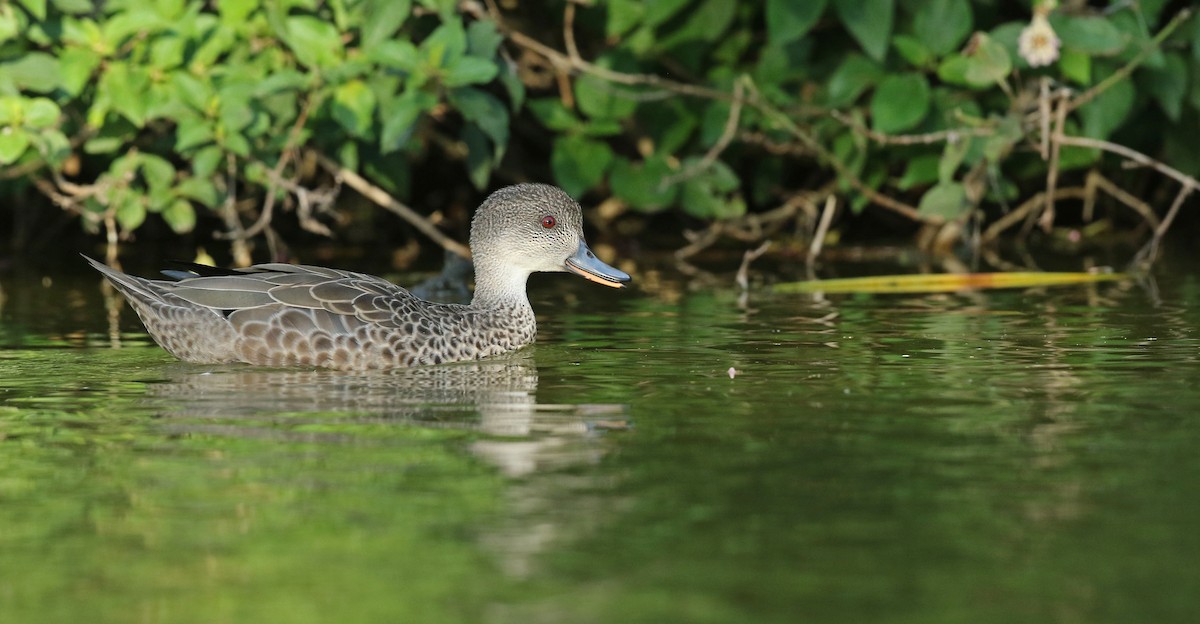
381,197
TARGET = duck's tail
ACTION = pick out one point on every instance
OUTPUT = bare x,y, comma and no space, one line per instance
188,331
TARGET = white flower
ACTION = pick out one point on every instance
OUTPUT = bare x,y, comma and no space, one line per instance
1038,44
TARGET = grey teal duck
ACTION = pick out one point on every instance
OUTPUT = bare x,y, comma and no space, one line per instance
295,315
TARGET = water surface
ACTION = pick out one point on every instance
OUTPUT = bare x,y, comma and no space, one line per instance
1028,455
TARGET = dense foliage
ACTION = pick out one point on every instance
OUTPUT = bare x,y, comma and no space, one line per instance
928,108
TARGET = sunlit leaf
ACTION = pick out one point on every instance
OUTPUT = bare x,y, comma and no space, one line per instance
13,142
354,107
469,70
180,216
383,19
32,71
315,42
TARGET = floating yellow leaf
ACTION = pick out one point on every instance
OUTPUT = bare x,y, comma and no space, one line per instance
944,282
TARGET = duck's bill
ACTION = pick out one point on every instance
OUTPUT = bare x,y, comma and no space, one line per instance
585,264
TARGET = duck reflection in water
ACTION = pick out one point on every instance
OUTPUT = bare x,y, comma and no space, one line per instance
495,397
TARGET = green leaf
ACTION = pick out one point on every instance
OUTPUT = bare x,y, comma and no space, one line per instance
553,115
953,155
468,70
41,113
662,10
869,22
900,102
856,74
487,111
10,22
706,22
75,68
74,7
235,12
199,189
400,115
622,16
483,39
354,107
640,184
236,143
942,25
315,42
54,146
1169,85
33,71
708,195
790,20
599,99
158,173
125,87
513,85
479,156
1108,111
206,161
947,200
920,171
13,142
180,216
131,212
988,63
913,50
400,55
382,19
36,8
192,131
579,163
125,24
1076,66
444,45
1091,35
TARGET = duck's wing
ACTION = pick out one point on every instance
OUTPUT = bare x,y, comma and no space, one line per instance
295,286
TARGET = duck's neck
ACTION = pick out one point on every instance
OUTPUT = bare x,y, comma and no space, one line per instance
499,286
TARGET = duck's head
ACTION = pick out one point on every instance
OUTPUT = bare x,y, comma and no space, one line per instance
534,227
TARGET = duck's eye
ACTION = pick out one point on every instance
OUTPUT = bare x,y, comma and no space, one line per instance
548,221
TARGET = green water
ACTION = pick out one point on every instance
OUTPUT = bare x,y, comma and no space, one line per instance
1016,456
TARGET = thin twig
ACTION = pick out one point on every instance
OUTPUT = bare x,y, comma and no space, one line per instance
1130,154
381,197
941,136
743,274
814,250
1060,119
1150,251
727,134
1009,220
264,217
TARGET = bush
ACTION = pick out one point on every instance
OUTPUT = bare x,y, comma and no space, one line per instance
929,109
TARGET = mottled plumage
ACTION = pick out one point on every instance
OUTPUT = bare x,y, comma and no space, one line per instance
296,315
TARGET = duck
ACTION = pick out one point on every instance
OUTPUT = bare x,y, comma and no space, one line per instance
291,315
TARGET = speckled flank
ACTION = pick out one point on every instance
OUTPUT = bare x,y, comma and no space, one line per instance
294,315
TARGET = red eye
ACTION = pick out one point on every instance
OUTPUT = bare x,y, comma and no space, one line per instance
548,221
